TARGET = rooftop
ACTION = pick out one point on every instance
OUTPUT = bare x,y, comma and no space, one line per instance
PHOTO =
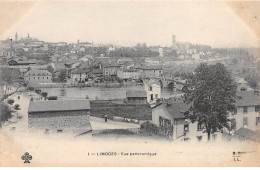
136,93
80,70
35,72
247,133
175,109
247,98
58,105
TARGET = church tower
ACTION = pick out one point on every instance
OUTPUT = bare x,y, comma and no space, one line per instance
16,36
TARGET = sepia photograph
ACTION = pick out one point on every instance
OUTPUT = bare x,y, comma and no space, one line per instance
129,83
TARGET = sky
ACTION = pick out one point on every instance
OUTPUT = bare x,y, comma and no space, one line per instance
129,23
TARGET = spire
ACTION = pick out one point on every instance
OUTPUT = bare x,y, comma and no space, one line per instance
16,36
78,41
28,36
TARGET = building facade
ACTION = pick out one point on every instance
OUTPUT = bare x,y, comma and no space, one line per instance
38,76
59,115
247,114
127,74
153,90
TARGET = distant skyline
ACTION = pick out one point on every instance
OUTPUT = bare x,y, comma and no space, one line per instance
129,23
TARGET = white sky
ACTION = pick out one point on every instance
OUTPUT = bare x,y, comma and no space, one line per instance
128,23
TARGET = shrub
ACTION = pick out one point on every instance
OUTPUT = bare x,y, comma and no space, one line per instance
5,113
10,101
44,94
147,126
16,107
52,98
30,88
37,91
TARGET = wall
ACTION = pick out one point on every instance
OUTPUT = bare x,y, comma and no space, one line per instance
38,79
78,77
194,133
152,73
59,120
251,118
156,90
178,124
136,100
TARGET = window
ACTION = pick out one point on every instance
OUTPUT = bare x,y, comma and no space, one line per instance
47,77
244,109
257,108
257,120
199,127
156,96
42,77
233,124
150,88
245,121
38,78
235,111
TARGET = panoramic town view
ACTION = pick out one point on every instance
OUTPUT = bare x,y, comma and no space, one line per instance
87,89
185,84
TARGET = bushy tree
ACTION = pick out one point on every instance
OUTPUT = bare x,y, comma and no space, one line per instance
211,92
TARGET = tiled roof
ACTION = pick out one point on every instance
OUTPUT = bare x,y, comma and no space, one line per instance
78,71
247,98
38,73
177,110
136,93
58,105
247,133
149,82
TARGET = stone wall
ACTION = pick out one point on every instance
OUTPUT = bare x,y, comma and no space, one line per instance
59,119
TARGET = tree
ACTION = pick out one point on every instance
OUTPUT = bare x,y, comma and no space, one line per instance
44,94
8,79
212,95
62,76
50,69
5,113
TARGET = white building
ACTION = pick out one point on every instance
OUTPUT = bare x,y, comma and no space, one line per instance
153,90
38,76
247,114
127,74
79,75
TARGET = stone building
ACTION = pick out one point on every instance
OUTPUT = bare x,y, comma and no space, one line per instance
38,76
59,115
136,97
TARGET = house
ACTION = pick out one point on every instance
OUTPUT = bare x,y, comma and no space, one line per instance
127,74
171,116
171,120
149,71
80,75
38,76
247,113
153,61
136,97
59,115
110,69
244,134
153,90
123,61
13,62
